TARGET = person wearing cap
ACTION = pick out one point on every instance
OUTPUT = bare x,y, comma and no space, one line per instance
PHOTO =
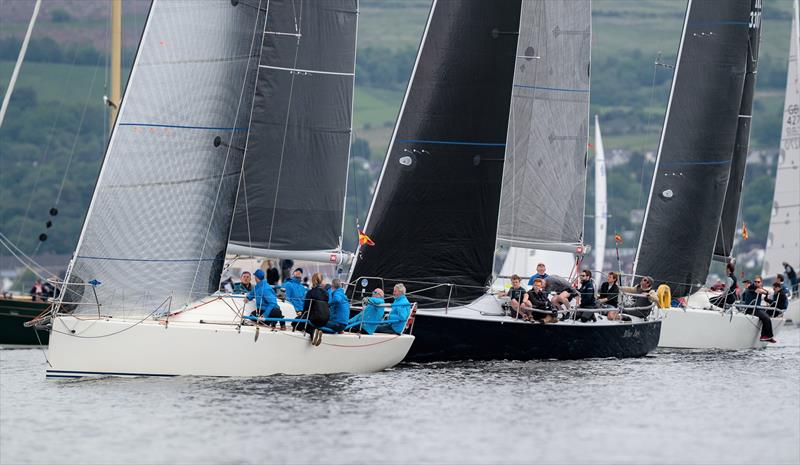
295,291
265,299
373,312
644,297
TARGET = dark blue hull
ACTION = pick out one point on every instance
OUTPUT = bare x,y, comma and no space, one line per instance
451,338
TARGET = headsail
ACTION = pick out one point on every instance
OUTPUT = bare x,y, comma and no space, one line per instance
434,214
544,176
783,244
733,193
697,145
600,202
292,192
157,226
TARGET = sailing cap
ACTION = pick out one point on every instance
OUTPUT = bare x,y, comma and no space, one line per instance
259,273
298,269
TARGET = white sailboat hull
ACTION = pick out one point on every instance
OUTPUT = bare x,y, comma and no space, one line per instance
192,344
697,327
793,312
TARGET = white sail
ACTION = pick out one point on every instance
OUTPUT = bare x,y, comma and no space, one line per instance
157,226
783,241
600,202
523,262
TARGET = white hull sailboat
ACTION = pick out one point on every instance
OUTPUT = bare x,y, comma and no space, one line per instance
206,103
701,325
208,339
698,178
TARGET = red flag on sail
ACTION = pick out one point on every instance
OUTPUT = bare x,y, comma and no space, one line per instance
363,239
745,234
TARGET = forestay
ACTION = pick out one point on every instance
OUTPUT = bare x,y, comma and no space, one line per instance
157,226
292,191
544,175
697,146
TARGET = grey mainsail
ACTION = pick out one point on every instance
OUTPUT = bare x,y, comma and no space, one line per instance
544,174
157,226
733,195
697,145
292,191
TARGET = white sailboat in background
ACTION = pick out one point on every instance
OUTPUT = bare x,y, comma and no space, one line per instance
140,295
783,241
600,202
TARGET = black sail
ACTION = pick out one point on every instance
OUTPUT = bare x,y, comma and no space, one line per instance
292,192
733,195
434,213
697,146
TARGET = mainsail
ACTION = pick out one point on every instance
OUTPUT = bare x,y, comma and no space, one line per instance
434,214
544,176
292,191
783,243
697,144
600,202
157,226
733,194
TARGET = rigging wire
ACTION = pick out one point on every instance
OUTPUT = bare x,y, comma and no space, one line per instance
43,159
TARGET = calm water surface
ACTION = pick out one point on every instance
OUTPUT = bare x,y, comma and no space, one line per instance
670,407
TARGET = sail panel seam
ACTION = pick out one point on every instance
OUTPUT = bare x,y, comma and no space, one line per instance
180,126
452,142
553,89
309,71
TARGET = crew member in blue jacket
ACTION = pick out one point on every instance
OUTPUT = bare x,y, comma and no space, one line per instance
372,313
401,308
295,291
265,299
339,307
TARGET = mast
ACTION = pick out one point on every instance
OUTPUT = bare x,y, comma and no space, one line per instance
697,146
600,202
783,244
433,216
116,60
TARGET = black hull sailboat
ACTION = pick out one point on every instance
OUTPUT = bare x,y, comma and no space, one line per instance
443,338
489,153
